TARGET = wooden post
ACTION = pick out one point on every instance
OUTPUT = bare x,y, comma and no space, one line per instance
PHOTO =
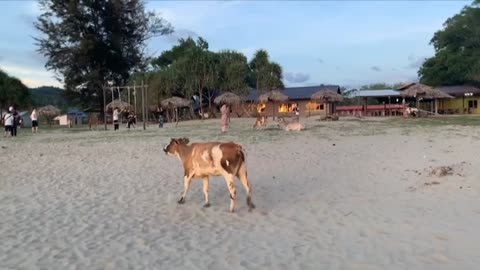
104,109
135,97
389,108
436,106
365,109
146,97
128,90
143,106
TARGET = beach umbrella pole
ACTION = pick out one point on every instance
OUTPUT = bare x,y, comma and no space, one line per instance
104,109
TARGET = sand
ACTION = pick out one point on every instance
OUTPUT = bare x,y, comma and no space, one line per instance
341,195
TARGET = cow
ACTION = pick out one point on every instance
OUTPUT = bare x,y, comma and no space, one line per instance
92,122
261,122
295,126
201,160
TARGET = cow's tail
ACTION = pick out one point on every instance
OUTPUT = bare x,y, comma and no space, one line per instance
241,152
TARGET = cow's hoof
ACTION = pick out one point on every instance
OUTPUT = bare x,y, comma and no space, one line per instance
206,205
181,201
251,207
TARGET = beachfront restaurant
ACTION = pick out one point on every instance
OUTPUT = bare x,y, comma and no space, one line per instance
388,103
465,100
297,96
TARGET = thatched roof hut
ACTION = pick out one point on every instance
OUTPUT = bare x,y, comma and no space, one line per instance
274,95
417,90
49,110
175,102
327,96
122,105
227,98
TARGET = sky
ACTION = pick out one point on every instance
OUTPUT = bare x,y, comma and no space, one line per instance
346,43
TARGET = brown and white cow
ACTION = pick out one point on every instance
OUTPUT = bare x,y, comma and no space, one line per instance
200,160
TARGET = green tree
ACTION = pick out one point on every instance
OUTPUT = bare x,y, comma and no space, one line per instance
457,50
13,92
381,86
233,72
88,43
265,75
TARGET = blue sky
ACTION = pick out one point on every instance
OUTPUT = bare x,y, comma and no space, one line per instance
349,43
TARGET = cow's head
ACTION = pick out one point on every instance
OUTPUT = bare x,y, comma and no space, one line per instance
172,147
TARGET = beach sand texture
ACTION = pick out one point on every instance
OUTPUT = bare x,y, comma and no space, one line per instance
350,194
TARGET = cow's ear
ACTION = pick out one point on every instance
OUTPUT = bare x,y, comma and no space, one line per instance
186,140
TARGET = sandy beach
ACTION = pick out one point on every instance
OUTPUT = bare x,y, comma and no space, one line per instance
351,194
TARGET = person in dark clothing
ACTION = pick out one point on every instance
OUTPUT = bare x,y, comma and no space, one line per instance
16,122
131,121
161,117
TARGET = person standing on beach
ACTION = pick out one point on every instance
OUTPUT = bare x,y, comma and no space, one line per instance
131,120
116,113
16,121
224,110
297,112
34,117
8,122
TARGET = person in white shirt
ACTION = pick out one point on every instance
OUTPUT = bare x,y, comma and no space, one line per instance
34,117
116,113
8,120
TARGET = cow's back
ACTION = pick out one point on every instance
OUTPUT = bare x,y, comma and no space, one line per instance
214,158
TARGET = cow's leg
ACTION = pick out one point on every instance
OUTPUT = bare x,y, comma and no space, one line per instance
205,191
242,175
230,179
186,186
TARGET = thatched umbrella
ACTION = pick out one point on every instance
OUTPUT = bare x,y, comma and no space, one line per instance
228,98
122,105
327,96
49,112
175,103
418,90
273,95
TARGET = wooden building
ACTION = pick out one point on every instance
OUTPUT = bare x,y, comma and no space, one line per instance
297,96
466,100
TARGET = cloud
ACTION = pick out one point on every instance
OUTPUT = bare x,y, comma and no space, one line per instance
296,77
415,62
376,68
29,76
320,60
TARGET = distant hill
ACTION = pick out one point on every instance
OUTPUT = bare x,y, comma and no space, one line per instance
49,95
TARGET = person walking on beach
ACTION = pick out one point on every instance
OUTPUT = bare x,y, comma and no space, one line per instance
116,113
34,117
297,112
224,110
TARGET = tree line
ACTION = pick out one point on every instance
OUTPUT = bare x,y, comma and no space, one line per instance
13,92
457,51
90,44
